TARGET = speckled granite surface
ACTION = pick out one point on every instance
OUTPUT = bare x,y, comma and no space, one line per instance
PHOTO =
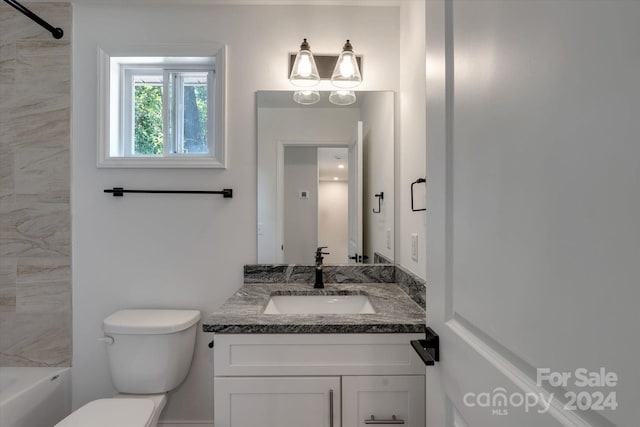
413,285
378,258
335,273
396,312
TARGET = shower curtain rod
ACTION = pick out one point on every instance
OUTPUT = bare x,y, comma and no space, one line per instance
57,33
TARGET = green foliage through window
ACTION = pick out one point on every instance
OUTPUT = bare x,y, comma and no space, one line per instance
195,118
148,136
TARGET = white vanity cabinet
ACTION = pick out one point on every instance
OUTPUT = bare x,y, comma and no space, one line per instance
324,380
277,401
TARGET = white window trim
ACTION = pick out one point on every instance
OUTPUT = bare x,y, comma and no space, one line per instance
108,119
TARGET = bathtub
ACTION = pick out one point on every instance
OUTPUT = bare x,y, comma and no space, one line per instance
34,397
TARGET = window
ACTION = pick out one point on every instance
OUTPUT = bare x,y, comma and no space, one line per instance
162,111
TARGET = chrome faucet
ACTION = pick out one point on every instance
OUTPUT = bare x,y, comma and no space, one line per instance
319,258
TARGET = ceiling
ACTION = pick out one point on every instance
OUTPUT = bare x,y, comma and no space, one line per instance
329,158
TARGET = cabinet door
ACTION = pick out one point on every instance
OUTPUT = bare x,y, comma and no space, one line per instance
277,402
383,397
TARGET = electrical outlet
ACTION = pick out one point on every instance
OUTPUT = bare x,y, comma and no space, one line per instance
414,247
388,238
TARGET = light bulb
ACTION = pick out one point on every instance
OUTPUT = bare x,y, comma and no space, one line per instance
346,66
304,66
342,97
306,97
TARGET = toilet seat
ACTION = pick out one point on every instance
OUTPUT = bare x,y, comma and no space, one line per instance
112,413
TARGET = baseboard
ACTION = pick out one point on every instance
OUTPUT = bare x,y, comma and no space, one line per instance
185,424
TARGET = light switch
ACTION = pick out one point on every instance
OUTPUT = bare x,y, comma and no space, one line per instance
388,238
414,247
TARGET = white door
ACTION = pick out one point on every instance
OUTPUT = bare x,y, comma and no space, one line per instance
533,208
355,196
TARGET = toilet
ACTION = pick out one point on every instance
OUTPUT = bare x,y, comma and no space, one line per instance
149,353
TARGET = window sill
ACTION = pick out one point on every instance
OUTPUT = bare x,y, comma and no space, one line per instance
201,162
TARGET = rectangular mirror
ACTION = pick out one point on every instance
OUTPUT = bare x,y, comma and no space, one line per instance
325,178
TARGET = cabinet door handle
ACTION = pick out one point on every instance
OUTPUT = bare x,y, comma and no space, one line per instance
331,408
393,420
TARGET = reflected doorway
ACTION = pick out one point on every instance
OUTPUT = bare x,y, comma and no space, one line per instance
316,203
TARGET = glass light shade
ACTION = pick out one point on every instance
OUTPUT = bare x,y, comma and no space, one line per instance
342,97
304,72
346,74
306,97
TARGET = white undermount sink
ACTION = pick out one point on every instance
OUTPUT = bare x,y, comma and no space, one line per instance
319,304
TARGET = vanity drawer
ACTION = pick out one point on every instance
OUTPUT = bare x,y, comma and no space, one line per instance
316,354
370,400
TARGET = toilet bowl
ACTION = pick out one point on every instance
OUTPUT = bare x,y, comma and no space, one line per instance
149,353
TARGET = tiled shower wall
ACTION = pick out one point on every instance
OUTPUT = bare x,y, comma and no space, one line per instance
35,218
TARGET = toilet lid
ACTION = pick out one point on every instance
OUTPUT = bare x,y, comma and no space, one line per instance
111,413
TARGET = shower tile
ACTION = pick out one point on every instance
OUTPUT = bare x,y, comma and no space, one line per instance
7,69
46,74
42,175
35,339
44,297
7,182
42,48
35,230
8,267
37,122
35,237
40,269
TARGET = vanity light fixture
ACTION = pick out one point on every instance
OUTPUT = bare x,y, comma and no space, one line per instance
306,97
304,72
342,97
346,74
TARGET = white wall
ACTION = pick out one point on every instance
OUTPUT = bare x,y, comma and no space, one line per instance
300,213
188,251
377,117
333,220
412,154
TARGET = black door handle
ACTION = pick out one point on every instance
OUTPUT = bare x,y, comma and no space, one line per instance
429,348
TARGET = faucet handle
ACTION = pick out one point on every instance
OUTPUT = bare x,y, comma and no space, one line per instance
319,250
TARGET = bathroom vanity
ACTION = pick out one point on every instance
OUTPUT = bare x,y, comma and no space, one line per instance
315,368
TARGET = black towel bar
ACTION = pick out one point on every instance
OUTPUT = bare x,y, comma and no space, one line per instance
227,193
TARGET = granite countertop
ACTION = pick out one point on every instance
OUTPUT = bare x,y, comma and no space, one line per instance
243,312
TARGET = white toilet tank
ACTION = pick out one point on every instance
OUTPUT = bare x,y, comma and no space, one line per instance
152,349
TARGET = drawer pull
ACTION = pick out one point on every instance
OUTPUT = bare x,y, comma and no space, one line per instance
331,408
393,420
